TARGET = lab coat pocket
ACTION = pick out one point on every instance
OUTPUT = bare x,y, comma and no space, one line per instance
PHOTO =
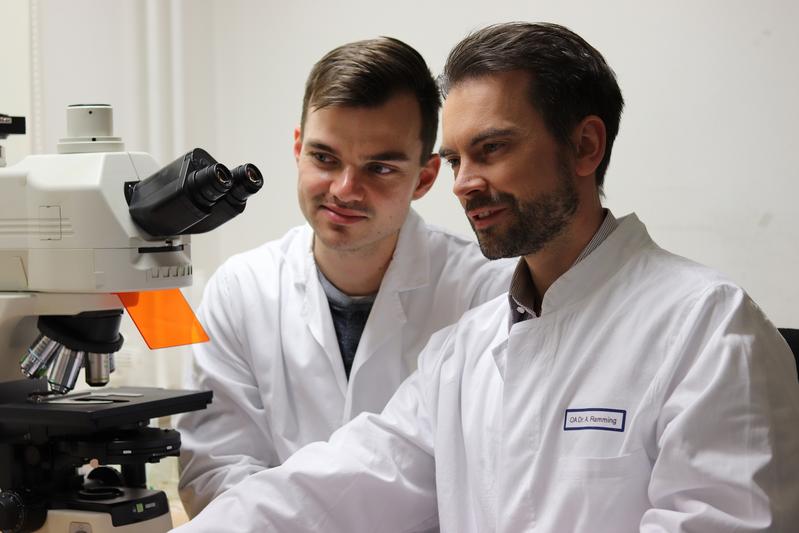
599,494
598,468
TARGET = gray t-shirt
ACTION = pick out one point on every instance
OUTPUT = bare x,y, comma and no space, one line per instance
350,314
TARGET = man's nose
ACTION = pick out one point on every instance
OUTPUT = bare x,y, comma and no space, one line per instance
347,186
468,181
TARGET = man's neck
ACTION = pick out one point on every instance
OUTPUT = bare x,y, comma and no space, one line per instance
558,256
358,272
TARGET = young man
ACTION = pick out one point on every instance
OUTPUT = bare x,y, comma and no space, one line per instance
325,323
619,388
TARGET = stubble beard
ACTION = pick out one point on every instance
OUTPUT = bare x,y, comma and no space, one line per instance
534,223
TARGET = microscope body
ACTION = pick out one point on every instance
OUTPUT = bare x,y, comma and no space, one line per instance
65,227
83,233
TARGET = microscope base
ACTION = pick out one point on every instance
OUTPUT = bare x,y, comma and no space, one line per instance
72,521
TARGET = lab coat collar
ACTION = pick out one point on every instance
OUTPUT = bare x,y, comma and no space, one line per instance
597,268
409,268
315,309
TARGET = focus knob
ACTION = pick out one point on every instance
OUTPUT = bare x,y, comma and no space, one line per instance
19,516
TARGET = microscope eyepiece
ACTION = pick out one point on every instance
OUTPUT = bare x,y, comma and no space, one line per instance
253,174
247,180
209,184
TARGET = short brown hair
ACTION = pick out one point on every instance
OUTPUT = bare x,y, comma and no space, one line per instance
570,78
368,73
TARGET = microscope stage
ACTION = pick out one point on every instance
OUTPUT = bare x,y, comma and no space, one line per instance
100,409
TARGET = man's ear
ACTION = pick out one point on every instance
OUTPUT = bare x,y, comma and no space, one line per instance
589,139
427,176
297,143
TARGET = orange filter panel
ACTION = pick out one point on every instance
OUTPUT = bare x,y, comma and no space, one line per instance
164,318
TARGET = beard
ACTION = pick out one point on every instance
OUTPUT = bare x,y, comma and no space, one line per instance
533,223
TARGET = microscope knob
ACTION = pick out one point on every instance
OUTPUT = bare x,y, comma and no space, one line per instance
17,515
12,511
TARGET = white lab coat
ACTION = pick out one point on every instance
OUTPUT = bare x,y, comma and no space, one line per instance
484,432
274,363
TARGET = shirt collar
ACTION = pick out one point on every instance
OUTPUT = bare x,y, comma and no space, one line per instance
523,296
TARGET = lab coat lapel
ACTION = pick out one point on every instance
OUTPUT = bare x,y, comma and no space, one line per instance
409,269
385,320
316,314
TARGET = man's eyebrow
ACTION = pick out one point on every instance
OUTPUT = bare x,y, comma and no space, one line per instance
390,155
316,145
480,137
490,133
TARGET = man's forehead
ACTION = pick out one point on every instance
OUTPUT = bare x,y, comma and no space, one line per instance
491,102
493,88
389,131
468,118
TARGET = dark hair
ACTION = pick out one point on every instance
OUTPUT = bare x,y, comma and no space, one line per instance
368,73
570,79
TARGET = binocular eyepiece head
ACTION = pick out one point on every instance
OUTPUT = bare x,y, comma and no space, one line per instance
193,194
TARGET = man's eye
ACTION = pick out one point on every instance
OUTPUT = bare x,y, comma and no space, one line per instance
380,169
491,147
322,157
453,161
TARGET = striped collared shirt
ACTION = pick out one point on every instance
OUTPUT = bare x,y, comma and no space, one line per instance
522,296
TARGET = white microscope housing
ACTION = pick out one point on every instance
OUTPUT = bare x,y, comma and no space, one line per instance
82,233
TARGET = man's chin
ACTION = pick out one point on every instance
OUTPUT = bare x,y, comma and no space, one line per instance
490,247
338,240
491,252
498,245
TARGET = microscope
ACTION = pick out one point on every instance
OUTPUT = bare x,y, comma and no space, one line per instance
85,235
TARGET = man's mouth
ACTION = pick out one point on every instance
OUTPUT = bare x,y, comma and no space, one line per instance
342,215
486,213
485,216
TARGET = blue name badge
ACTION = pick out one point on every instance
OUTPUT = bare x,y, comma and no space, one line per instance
594,418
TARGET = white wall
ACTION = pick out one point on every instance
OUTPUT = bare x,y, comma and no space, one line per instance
15,73
708,142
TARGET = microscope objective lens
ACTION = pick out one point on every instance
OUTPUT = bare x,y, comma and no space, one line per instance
98,369
34,362
65,369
